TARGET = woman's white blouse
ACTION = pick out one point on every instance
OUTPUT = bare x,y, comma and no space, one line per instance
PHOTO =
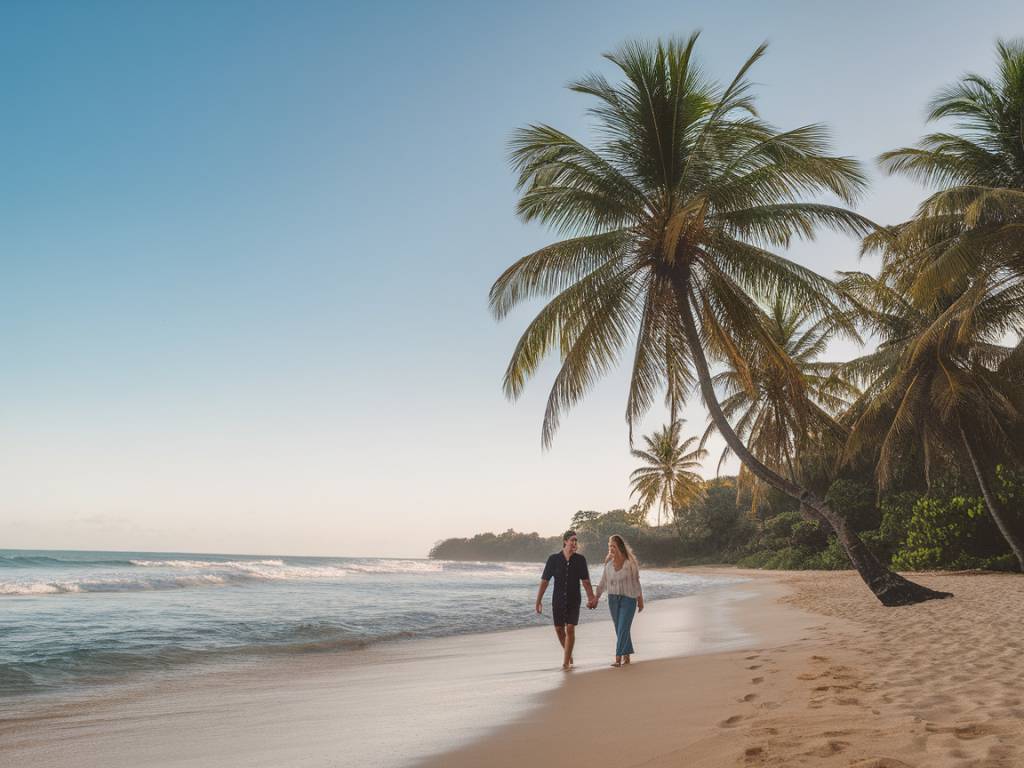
625,581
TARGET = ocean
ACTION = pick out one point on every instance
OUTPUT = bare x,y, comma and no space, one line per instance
73,620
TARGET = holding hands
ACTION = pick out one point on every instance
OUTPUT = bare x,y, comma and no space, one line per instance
592,602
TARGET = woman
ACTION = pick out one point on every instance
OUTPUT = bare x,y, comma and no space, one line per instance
621,579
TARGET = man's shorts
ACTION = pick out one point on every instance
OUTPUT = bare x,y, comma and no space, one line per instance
565,614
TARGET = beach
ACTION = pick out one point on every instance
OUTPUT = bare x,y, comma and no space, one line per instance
781,669
843,682
189,660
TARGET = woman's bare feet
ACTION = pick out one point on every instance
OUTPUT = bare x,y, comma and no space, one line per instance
625,659
618,662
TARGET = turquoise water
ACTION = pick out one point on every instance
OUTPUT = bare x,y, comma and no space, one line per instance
72,619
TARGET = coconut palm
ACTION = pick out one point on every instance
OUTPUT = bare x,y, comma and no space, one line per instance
941,379
669,222
668,477
976,218
780,417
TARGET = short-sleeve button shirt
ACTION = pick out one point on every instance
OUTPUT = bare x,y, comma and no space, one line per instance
567,575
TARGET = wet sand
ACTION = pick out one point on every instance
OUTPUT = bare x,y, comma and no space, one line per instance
382,707
935,685
783,670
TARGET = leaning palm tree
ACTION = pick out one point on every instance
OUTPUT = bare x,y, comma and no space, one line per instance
670,219
782,418
975,219
668,477
940,379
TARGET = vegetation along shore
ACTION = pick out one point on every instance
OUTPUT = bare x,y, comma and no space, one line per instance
672,223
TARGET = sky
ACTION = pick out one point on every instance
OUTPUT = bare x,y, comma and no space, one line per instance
246,249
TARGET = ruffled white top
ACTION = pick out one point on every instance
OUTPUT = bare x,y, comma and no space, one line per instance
624,581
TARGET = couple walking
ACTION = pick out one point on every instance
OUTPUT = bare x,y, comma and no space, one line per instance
621,580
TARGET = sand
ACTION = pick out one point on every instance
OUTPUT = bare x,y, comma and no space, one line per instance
783,670
384,707
858,686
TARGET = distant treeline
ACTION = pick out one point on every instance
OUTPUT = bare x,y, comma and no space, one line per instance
509,546
653,546
944,526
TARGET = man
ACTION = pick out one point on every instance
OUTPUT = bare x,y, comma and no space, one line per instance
569,569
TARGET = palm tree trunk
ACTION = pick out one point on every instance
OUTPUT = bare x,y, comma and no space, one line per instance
993,508
890,588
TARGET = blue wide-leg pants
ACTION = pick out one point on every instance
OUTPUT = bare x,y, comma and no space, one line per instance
623,609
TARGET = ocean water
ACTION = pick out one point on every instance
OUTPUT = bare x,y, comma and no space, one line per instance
70,620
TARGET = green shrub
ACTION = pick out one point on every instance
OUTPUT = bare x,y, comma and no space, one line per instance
897,511
808,534
778,530
785,559
833,557
936,533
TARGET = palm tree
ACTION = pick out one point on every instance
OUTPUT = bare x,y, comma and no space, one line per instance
669,222
781,418
668,476
976,218
939,378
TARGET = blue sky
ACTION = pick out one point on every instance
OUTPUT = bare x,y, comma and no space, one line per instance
246,251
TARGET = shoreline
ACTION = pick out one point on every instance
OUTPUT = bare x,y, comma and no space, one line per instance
335,709
784,669
856,686
711,677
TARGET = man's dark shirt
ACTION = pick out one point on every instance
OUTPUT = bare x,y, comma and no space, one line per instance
567,575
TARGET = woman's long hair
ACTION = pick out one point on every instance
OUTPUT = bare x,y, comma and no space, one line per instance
623,547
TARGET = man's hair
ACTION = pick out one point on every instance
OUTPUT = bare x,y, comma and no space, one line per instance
567,535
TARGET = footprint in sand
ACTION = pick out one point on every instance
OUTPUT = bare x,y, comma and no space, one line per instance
754,666
880,762
748,697
757,680
730,722
754,753
829,748
963,732
999,754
